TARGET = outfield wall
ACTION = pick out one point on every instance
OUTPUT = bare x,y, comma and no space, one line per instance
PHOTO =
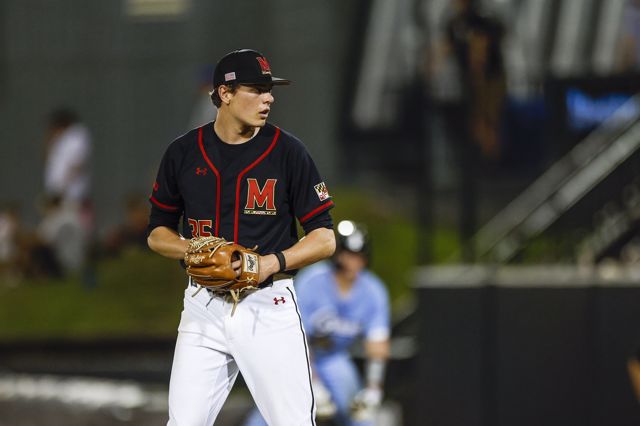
526,346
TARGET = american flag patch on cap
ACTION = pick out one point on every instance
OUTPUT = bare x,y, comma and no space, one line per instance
230,76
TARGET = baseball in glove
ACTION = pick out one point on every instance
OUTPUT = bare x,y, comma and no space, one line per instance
209,264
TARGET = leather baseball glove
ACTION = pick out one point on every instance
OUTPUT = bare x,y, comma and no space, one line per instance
209,264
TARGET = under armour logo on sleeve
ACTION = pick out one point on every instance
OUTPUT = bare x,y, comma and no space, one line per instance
277,300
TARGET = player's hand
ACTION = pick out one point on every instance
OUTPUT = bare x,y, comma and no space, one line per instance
365,403
236,265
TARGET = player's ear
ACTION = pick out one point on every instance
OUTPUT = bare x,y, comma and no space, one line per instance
225,93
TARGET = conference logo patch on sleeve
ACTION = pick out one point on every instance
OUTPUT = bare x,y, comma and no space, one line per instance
322,191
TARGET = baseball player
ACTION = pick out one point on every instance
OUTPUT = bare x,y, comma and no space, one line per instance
342,301
248,181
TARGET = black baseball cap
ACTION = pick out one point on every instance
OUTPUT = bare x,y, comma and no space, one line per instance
245,66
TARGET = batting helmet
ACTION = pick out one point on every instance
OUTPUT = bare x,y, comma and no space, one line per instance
353,237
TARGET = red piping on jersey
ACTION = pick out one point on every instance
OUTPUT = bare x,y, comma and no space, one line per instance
313,212
251,166
215,171
164,206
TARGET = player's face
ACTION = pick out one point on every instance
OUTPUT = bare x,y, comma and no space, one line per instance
351,263
251,104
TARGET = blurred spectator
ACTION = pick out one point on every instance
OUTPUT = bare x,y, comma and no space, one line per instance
8,235
475,41
67,213
22,253
203,110
133,232
9,228
633,366
468,89
61,230
68,150
629,43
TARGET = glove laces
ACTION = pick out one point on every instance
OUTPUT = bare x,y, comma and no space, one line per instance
215,243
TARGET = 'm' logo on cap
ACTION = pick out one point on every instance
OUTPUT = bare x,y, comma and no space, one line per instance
264,65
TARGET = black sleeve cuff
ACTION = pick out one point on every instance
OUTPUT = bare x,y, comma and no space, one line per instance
321,220
162,218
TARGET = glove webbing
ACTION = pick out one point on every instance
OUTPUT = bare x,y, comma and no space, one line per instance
195,245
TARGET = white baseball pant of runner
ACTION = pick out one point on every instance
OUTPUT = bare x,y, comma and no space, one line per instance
264,339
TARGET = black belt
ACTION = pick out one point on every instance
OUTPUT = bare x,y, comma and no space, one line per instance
277,277
267,283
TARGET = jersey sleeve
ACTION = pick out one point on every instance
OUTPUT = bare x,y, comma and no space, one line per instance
166,202
321,220
378,328
310,197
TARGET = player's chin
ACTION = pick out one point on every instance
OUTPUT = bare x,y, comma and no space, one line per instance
261,121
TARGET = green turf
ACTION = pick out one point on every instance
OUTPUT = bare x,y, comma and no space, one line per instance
137,294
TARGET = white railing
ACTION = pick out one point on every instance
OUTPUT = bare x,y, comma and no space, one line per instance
565,183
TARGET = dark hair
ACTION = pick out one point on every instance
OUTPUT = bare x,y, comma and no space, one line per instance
215,97
62,117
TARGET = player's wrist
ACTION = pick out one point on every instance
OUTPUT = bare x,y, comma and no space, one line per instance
269,263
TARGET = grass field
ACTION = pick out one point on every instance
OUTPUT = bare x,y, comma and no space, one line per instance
137,294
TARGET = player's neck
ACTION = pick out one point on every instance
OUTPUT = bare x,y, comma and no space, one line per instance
345,282
233,132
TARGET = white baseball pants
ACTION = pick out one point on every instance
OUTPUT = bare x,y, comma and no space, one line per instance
264,339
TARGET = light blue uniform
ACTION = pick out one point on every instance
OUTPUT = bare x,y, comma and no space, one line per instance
333,322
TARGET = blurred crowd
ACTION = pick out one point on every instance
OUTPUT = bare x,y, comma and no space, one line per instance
467,72
64,239
62,244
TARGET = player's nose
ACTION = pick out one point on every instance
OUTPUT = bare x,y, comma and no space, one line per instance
268,98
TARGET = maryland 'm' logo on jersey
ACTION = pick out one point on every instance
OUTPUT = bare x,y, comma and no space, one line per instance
261,200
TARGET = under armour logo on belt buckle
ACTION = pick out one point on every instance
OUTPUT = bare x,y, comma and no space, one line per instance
277,300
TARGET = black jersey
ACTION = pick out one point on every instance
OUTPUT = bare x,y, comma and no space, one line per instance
251,193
